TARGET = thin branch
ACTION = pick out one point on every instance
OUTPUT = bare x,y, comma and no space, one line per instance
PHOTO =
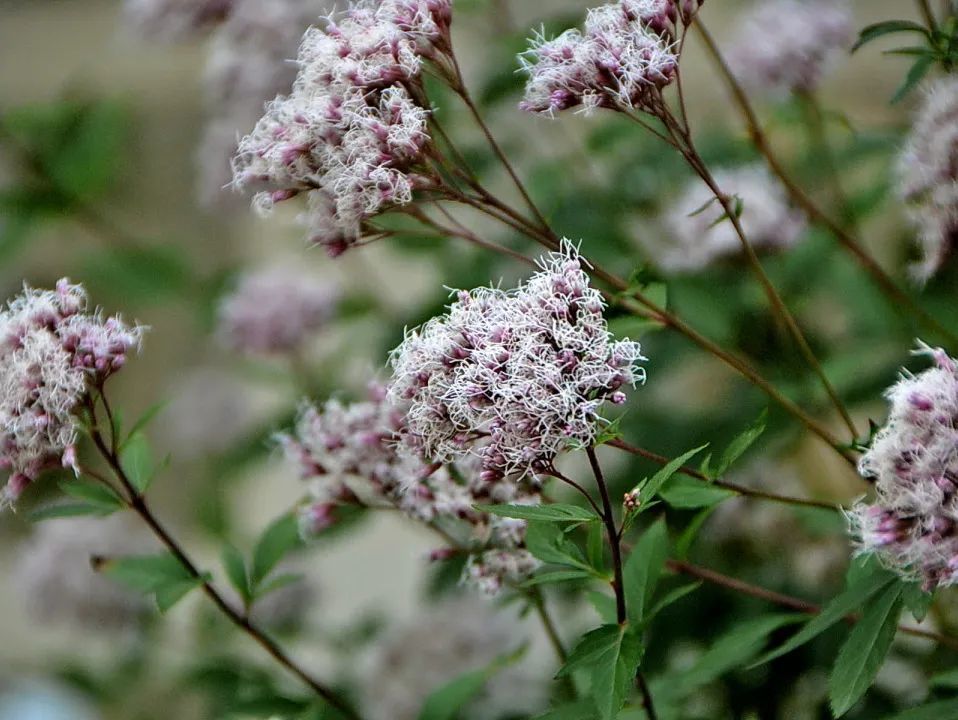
734,487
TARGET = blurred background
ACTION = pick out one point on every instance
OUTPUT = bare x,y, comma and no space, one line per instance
109,174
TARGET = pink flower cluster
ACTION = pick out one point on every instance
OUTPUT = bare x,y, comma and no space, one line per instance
351,133
51,352
913,523
622,56
514,377
350,456
275,310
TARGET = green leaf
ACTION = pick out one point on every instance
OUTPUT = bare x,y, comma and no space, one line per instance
278,539
547,542
742,442
595,546
684,543
136,458
145,419
277,582
92,493
590,646
687,493
446,702
643,568
614,673
877,30
235,567
555,512
649,488
603,604
161,575
579,710
557,576
859,591
671,597
941,710
864,652
915,75
916,600
168,595
62,510
947,679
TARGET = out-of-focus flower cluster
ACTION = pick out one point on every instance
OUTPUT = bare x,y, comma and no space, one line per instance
700,234
275,310
789,45
457,636
54,576
514,377
624,53
928,176
912,523
51,352
175,20
352,132
349,454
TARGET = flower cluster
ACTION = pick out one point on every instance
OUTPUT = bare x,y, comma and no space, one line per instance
456,636
248,65
349,455
516,376
175,20
275,310
51,352
54,576
788,45
698,234
913,523
928,177
622,56
352,132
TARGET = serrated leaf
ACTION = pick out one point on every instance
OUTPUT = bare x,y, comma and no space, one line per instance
888,27
136,458
649,488
547,542
864,652
589,647
613,674
643,568
555,512
278,539
836,610
92,493
687,493
235,566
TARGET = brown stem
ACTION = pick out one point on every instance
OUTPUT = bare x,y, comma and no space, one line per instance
786,601
647,703
136,502
899,299
734,487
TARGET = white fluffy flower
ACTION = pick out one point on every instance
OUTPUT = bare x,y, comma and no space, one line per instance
788,45
51,352
275,310
914,465
445,641
56,581
624,53
350,135
698,237
514,376
928,177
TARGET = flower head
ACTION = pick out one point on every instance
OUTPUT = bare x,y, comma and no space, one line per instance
51,352
351,134
788,45
457,636
928,176
514,377
698,234
913,523
275,310
623,54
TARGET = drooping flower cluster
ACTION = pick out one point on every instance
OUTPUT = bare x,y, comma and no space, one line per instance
457,636
174,20
350,456
622,56
913,523
928,176
788,45
515,376
351,133
51,352
56,581
698,235
247,66
275,310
